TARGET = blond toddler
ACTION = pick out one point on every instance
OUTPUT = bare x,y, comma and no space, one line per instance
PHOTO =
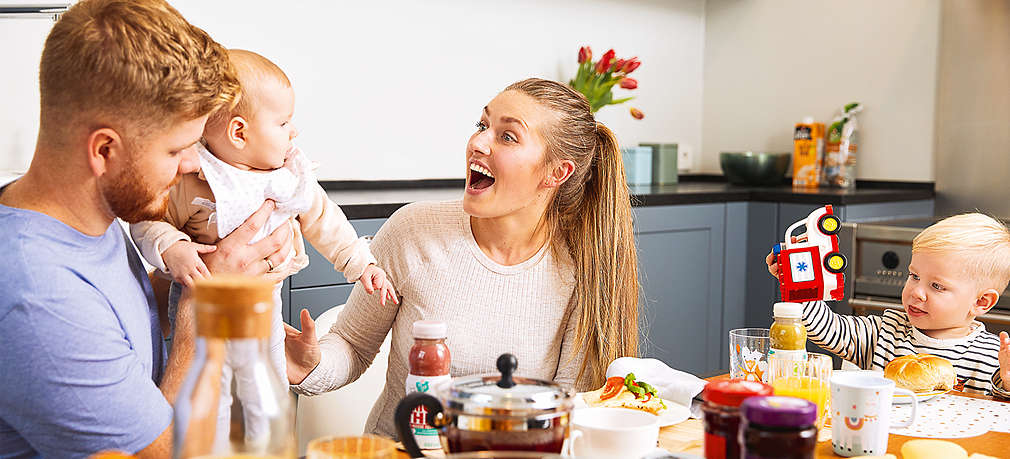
959,268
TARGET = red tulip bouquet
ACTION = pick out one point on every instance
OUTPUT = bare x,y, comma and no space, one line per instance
596,79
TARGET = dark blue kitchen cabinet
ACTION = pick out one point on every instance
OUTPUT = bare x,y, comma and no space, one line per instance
317,300
320,271
680,250
319,287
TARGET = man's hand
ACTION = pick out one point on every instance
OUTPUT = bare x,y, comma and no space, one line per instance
374,278
301,349
1004,359
234,255
184,263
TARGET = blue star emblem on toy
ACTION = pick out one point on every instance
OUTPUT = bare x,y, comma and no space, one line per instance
801,266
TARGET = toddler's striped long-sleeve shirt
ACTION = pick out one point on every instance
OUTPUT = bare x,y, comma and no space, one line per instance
872,341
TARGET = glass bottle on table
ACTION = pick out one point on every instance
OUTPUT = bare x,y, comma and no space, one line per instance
233,403
429,361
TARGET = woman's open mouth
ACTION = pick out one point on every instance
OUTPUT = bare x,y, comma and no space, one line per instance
480,178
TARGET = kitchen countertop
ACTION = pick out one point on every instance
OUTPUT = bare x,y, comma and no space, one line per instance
381,199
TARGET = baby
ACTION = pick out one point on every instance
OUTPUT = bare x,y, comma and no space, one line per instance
959,268
247,157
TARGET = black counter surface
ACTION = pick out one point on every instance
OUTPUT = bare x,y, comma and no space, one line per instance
379,199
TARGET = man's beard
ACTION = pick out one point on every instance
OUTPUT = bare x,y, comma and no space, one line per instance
130,198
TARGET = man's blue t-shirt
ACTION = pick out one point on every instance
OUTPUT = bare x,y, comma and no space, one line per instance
80,344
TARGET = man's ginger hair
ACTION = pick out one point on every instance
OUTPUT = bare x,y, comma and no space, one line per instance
135,62
981,242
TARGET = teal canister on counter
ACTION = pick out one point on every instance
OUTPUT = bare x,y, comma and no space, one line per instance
664,162
638,165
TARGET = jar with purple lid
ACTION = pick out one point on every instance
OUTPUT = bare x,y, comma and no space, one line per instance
778,427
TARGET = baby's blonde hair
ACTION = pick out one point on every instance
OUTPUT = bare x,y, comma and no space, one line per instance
982,242
253,71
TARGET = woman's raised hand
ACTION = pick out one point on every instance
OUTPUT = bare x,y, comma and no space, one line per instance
301,349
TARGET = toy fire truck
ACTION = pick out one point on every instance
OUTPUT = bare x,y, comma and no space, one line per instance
810,265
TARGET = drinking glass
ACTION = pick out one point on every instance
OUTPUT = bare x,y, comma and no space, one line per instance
365,446
748,353
806,379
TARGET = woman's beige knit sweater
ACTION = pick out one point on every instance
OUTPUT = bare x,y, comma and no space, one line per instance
430,254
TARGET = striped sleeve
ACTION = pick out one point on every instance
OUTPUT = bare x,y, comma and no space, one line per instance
849,337
998,389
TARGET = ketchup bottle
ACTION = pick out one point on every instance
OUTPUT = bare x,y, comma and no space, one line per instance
429,368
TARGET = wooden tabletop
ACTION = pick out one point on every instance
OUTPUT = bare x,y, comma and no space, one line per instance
687,437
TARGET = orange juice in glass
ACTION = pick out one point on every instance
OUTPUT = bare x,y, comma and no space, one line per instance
804,379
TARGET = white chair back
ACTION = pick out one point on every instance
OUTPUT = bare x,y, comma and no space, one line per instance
345,410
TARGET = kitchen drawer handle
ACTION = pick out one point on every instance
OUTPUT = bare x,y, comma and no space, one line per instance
994,317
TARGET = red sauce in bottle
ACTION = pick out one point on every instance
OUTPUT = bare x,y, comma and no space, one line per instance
429,361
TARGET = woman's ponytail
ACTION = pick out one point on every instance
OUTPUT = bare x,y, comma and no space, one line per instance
590,215
602,243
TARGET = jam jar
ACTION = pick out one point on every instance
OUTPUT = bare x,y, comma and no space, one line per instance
778,427
722,414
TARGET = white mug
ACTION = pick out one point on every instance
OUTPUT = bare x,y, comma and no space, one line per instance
861,412
612,432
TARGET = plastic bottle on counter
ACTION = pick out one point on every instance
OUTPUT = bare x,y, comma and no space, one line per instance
788,339
722,414
778,428
429,361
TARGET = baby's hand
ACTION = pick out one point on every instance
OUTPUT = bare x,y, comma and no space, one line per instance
374,278
773,264
184,263
1004,359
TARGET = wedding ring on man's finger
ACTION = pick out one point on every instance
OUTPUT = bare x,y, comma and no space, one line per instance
270,265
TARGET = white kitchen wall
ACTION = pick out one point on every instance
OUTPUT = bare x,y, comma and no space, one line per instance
391,90
770,63
22,41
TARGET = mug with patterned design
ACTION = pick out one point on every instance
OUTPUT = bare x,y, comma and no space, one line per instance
861,412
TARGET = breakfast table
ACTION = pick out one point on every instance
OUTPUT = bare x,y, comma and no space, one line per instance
687,437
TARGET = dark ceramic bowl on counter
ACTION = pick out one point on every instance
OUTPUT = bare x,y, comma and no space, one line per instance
754,169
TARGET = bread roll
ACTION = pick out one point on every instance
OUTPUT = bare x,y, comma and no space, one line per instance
932,449
921,373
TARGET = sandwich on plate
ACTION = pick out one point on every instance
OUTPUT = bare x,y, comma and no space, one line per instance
626,392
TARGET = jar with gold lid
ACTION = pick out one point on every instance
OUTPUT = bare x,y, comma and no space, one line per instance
233,402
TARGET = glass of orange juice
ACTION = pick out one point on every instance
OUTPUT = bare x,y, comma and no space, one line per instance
365,446
804,379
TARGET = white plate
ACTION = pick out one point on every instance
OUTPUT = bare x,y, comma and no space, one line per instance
675,413
920,396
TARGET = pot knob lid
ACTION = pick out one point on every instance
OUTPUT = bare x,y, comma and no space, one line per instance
505,391
507,364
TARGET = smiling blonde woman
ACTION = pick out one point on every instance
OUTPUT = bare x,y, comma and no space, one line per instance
538,259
